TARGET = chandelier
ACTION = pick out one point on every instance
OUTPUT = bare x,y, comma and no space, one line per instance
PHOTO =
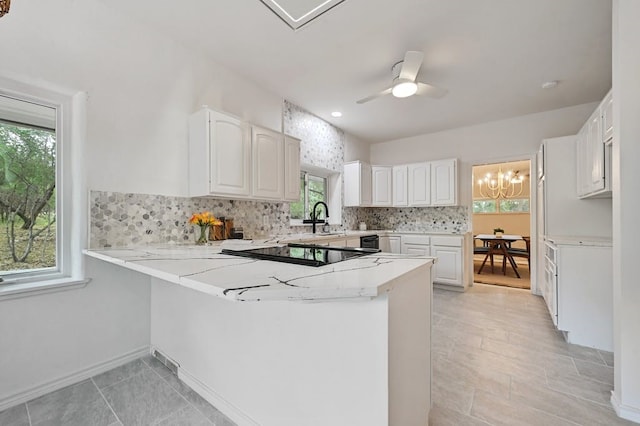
502,185
4,7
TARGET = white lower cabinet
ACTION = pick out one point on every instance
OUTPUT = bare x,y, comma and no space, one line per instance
448,250
452,252
416,244
352,242
579,293
395,245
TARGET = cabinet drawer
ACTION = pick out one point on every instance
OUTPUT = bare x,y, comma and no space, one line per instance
416,239
446,241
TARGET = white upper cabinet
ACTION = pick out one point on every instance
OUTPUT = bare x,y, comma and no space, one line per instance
219,155
230,158
594,152
291,168
400,186
419,178
425,184
607,118
444,183
357,184
381,185
267,152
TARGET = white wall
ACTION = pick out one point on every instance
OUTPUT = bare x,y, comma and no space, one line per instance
356,149
497,141
49,337
141,88
626,187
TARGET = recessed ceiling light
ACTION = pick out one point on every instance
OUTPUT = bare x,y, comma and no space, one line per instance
549,84
336,114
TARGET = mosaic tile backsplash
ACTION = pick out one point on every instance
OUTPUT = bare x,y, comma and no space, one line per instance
120,220
451,220
322,145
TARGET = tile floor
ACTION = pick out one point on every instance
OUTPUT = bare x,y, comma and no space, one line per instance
498,360
142,392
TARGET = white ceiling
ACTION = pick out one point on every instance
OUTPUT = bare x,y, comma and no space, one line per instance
492,55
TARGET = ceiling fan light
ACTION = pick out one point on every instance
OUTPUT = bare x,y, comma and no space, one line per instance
404,89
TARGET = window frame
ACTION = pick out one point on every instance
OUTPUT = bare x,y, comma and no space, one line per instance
333,196
71,197
306,176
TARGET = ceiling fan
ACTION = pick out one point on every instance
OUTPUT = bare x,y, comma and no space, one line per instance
404,80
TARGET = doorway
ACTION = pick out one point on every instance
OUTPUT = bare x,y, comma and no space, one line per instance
501,223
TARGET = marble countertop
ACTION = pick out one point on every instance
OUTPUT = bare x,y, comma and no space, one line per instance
320,236
205,269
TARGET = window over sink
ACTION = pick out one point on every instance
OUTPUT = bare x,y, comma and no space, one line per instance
312,189
317,184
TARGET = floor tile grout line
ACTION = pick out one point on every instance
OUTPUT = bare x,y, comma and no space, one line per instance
26,406
124,379
106,401
185,398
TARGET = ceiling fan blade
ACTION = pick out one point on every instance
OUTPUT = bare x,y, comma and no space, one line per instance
377,95
431,91
411,65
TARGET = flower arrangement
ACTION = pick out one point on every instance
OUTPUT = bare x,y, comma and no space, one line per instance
498,232
204,220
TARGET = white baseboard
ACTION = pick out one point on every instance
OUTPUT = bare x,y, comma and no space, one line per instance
78,376
625,411
216,400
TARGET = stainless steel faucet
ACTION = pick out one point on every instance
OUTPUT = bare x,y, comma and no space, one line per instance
314,215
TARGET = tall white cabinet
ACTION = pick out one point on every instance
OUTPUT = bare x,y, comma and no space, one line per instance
230,158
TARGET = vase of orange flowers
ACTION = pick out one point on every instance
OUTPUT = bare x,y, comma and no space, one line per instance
204,220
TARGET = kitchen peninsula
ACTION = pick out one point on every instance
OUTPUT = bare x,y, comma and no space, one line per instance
272,343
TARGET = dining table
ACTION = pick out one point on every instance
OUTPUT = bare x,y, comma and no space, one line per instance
499,245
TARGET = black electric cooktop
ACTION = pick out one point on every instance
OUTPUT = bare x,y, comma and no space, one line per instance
303,254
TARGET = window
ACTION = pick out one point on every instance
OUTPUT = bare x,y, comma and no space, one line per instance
484,206
509,205
514,205
37,127
312,189
27,186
